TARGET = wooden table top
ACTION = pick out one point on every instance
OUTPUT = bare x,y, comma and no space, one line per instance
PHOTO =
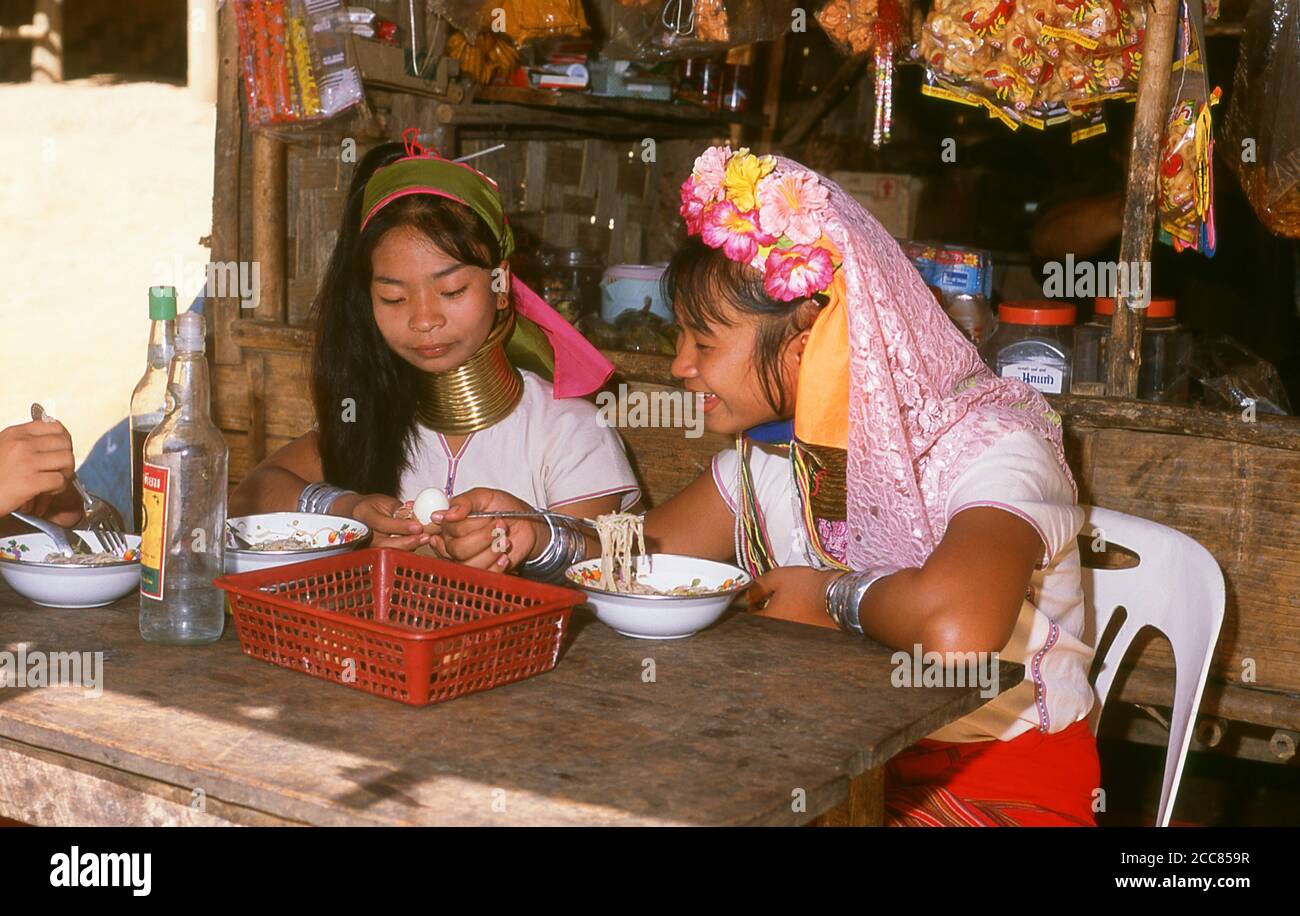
735,721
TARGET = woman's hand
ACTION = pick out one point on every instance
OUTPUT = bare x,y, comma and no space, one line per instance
376,510
37,464
470,540
795,593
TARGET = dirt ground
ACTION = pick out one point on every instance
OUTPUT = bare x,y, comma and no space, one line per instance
107,189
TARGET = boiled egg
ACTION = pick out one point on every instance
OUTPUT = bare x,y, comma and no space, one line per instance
429,501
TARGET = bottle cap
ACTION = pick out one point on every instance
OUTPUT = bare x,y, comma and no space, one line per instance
1158,308
189,332
162,303
1036,311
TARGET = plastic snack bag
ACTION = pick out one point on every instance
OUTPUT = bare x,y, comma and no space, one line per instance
1262,133
881,28
663,29
297,70
529,19
1186,190
1233,376
1033,62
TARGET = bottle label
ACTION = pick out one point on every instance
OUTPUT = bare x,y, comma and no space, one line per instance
154,507
1047,379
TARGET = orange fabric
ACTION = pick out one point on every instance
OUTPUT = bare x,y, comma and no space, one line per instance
1033,780
821,415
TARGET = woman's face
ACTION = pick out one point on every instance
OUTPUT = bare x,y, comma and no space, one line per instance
433,310
721,364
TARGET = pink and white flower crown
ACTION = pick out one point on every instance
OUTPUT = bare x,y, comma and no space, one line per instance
764,215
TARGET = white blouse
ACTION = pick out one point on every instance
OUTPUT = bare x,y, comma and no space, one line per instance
547,452
1018,474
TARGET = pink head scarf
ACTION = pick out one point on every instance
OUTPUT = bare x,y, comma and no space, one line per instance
921,403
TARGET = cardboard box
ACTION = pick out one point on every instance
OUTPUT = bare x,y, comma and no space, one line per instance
891,198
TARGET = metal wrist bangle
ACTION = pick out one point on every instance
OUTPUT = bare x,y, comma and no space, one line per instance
565,548
542,563
844,597
317,498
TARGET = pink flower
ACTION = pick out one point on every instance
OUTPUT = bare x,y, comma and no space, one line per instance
709,171
797,272
739,235
792,204
692,208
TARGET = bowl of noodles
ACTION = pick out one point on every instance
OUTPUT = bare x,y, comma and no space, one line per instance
279,538
652,595
35,569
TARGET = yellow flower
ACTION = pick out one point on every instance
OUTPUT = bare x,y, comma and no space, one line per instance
744,171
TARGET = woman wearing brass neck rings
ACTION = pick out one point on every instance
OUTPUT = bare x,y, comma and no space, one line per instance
433,367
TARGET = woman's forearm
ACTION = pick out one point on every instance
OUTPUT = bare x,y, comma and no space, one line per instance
267,489
890,612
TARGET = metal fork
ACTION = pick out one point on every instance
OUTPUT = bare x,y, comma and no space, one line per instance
101,516
556,516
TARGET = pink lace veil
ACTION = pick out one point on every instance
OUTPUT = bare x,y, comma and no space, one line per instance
922,405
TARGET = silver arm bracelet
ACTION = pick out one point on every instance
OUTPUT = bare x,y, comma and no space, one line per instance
844,596
567,547
318,497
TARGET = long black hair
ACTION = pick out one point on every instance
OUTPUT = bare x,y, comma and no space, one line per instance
363,392
703,285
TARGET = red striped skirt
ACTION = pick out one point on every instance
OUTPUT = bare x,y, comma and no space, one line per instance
1033,780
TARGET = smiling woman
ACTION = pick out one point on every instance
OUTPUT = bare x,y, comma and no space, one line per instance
431,367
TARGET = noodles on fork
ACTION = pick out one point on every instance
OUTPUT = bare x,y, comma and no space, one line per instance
616,531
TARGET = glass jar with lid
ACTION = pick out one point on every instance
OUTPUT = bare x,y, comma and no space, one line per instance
571,281
1033,342
1166,353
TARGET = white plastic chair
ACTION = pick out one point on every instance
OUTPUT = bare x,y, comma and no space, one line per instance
1177,588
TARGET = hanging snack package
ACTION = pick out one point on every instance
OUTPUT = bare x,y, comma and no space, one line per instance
298,71
1262,133
524,20
1186,190
654,30
1033,62
881,28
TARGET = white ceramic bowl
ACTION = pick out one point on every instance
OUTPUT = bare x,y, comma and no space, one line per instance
663,616
322,536
55,585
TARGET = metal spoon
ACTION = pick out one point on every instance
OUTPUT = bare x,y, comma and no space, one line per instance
57,534
242,542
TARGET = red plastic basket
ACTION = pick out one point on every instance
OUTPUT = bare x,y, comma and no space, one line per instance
401,626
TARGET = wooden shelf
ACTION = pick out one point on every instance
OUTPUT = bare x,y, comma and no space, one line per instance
1096,413
618,107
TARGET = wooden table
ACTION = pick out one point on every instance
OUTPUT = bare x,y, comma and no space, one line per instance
753,721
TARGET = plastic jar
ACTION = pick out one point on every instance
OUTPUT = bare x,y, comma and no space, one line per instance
1033,342
633,287
1166,353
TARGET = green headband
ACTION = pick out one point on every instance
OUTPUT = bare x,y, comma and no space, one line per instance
431,174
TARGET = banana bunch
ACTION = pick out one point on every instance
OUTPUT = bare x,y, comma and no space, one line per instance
490,56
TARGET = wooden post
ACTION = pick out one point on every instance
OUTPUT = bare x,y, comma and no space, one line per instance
865,805
1124,351
444,133
224,244
269,225
47,50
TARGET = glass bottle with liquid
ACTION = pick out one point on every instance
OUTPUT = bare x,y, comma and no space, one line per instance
147,401
184,505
